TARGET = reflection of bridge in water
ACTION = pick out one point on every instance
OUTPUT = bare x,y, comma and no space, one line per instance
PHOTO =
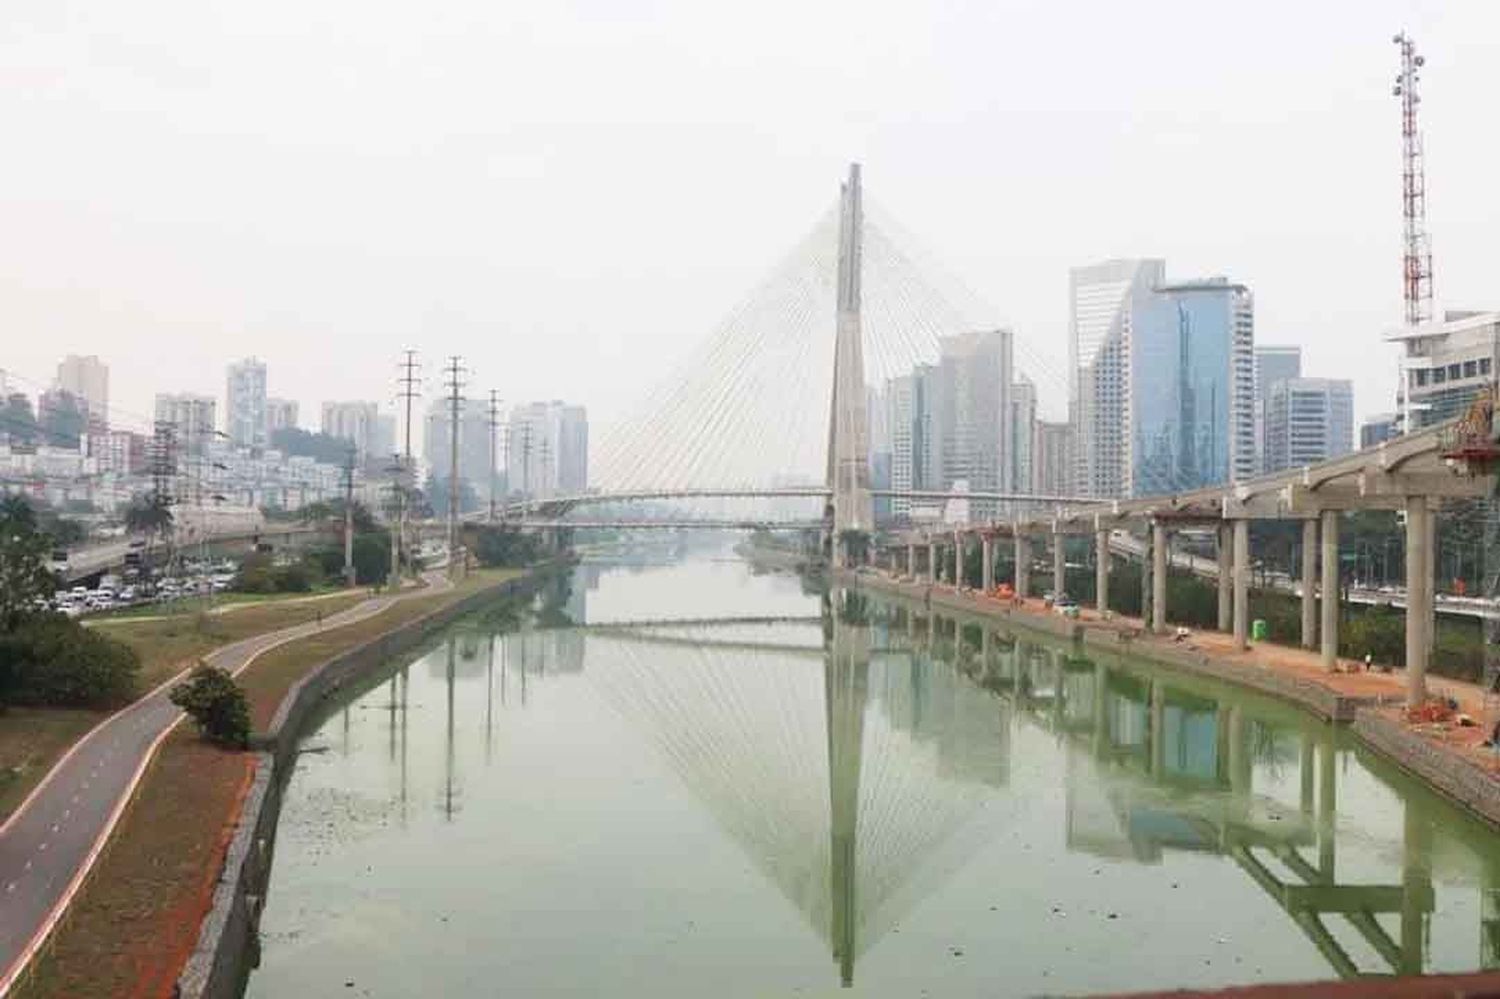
859,780
1160,762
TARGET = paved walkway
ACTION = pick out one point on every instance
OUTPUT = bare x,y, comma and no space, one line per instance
51,841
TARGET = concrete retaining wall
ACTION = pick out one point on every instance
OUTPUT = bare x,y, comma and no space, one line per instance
1305,694
1452,775
228,942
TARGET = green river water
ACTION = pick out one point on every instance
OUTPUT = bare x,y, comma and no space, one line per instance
795,793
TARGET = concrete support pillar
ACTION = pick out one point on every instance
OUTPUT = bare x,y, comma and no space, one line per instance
1101,570
1226,577
1158,576
1023,566
1419,597
1330,622
911,559
987,560
1059,564
1309,584
1242,584
932,561
958,558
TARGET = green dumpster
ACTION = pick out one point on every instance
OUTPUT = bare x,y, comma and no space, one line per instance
1258,629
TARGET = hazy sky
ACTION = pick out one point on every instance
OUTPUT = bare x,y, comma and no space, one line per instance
571,194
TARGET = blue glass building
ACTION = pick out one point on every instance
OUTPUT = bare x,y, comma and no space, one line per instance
1191,387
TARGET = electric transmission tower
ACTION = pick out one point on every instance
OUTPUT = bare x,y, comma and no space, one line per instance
454,384
494,420
408,389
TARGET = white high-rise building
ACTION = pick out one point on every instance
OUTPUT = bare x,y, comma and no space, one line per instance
973,409
87,378
548,446
352,421
1100,298
1272,364
1023,435
191,417
281,414
900,404
1053,459
1308,420
245,404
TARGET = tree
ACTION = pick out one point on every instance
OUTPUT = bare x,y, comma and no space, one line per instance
325,448
49,660
25,562
149,513
217,706
503,545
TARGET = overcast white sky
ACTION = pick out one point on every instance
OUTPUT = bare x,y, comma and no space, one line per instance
571,194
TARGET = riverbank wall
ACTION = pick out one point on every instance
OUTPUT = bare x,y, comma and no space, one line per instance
228,941
1328,704
1371,719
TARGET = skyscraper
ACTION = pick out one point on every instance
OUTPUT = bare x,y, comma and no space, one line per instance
976,373
87,378
1191,387
191,418
352,421
1053,459
473,443
548,445
1100,298
1023,435
900,416
245,403
1308,420
1272,365
280,414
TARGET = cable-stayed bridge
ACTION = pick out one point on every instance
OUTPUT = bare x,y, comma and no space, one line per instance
769,424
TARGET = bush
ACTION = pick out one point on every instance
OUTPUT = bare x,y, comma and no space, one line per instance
257,574
503,546
48,660
217,706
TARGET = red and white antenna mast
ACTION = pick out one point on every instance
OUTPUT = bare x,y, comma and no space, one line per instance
1416,276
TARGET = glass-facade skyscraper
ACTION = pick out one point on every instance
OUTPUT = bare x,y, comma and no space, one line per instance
1191,379
1100,305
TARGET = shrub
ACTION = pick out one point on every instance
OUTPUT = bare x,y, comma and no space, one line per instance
217,706
51,661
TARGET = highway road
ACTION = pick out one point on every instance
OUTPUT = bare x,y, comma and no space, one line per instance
50,842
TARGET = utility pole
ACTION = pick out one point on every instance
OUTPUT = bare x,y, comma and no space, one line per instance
408,383
494,427
396,508
163,459
526,464
349,519
454,385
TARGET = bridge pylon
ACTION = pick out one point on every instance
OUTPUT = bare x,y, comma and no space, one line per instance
848,423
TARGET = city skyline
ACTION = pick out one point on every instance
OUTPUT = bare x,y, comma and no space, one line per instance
1322,251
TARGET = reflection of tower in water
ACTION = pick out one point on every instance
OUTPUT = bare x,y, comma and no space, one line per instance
803,754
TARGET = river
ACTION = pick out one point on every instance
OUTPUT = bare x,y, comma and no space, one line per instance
793,793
